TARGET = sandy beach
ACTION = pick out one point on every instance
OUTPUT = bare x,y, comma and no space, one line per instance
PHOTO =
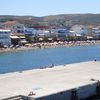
50,45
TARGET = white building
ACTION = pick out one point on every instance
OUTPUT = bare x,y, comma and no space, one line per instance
43,33
96,30
79,29
30,31
5,37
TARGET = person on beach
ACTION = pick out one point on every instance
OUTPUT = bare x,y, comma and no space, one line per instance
95,60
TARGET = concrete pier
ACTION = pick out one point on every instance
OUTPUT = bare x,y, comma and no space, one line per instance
65,82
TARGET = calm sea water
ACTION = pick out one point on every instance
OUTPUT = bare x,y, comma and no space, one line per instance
31,59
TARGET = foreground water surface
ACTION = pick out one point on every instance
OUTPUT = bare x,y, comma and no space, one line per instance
31,59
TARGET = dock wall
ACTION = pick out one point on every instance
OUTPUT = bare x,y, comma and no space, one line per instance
73,94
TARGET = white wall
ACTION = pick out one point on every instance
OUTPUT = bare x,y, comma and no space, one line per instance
5,37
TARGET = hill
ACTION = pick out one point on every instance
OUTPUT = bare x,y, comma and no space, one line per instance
66,19
56,20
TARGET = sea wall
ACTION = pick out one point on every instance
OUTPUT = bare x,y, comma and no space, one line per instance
73,94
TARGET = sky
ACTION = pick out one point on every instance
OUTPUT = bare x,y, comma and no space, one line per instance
48,7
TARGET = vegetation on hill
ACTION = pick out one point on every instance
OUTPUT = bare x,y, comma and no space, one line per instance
55,20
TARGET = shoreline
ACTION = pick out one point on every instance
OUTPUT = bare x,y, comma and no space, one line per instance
50,45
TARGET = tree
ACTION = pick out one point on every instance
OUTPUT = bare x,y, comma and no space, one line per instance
28,38
35,39
72,38
54,38
45,38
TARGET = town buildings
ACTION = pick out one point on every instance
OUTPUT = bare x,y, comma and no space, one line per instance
19,33
5,37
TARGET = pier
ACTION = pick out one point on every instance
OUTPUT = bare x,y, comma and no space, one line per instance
65,82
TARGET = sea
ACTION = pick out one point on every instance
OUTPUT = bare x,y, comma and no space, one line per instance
37,58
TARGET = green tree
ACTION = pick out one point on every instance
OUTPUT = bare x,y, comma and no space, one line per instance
45,39
28,38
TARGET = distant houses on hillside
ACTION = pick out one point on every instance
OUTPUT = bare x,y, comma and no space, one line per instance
13,32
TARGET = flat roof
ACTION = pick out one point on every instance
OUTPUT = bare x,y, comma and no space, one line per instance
22,37
5,30
49,80
14,37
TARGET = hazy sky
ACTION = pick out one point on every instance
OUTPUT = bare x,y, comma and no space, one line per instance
48,7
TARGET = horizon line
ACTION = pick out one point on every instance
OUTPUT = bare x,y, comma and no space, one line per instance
48,14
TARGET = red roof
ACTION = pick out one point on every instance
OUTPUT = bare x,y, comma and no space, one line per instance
40,27
10,22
